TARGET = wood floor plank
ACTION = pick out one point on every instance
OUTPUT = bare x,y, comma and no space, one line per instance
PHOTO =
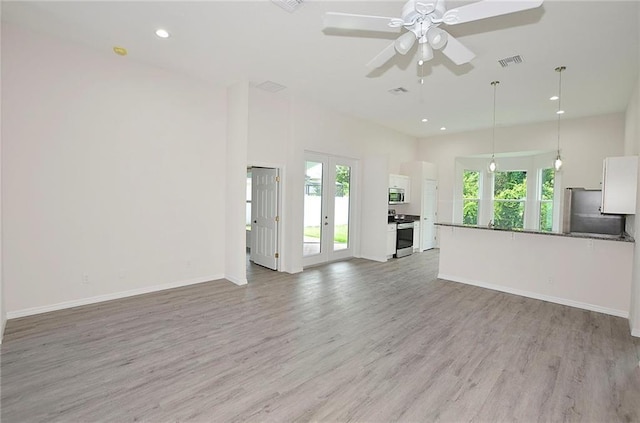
347,341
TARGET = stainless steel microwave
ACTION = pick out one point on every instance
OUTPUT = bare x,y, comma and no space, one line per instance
396,196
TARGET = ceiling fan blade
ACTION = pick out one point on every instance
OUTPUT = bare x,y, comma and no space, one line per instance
383,57
358,22
457,52
487,9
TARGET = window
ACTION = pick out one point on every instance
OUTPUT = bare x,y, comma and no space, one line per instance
547,180
509,199
471,197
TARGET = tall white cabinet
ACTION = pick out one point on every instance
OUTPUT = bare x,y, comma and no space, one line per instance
619,185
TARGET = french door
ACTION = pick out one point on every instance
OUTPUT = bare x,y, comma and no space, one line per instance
328,210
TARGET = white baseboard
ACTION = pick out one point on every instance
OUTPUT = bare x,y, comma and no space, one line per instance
381,259
237,281
2,324
635,332
108,297
537,296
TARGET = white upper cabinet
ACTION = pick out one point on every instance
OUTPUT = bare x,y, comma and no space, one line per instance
401,181
619,185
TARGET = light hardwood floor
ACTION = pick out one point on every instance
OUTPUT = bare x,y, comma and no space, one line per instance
348,341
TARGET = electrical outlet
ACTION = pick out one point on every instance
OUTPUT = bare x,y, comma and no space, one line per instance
549,280
121,275
85,279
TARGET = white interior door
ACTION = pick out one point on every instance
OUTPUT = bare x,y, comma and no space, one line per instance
264,217
328,211
429,208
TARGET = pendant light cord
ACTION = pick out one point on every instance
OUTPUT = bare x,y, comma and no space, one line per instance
493,134
559,69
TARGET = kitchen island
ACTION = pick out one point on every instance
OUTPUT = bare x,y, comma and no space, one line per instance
588,271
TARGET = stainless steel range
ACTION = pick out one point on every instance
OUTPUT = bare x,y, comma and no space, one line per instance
404,233
404,238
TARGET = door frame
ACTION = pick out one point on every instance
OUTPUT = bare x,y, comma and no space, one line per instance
351,250
281,173
425,183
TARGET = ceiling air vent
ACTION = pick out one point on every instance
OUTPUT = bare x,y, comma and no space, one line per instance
398,91
288,5
272,87
509,61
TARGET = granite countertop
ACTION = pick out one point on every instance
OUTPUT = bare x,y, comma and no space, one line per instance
625,237
402,218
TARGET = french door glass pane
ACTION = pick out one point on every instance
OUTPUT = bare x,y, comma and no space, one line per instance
341,211
312,208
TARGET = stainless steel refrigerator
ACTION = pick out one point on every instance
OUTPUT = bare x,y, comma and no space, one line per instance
582,214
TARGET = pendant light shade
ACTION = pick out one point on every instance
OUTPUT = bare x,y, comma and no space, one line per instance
557,164
492,165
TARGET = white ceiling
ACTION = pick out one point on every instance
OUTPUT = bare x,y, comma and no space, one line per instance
228,41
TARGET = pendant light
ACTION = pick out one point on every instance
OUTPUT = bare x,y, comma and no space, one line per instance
557,164
492,164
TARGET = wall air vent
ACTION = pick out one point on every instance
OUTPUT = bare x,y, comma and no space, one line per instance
398,91
272,87
509,61
288,5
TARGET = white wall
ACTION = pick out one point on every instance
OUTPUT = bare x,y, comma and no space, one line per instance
113,174
632,147
584,143
282,127
586,273
236,182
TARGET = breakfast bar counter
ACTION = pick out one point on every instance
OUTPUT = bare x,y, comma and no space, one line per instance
582,270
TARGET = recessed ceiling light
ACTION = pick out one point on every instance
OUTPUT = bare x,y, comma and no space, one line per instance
425,120
443,128
554,98
560,112
162,33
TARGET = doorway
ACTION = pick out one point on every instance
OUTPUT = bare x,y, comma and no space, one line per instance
328,208
262,216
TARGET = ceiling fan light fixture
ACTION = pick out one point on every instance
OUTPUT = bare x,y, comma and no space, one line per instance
404,42
426,53
437,37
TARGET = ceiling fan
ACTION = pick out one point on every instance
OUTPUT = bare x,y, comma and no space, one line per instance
421,20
